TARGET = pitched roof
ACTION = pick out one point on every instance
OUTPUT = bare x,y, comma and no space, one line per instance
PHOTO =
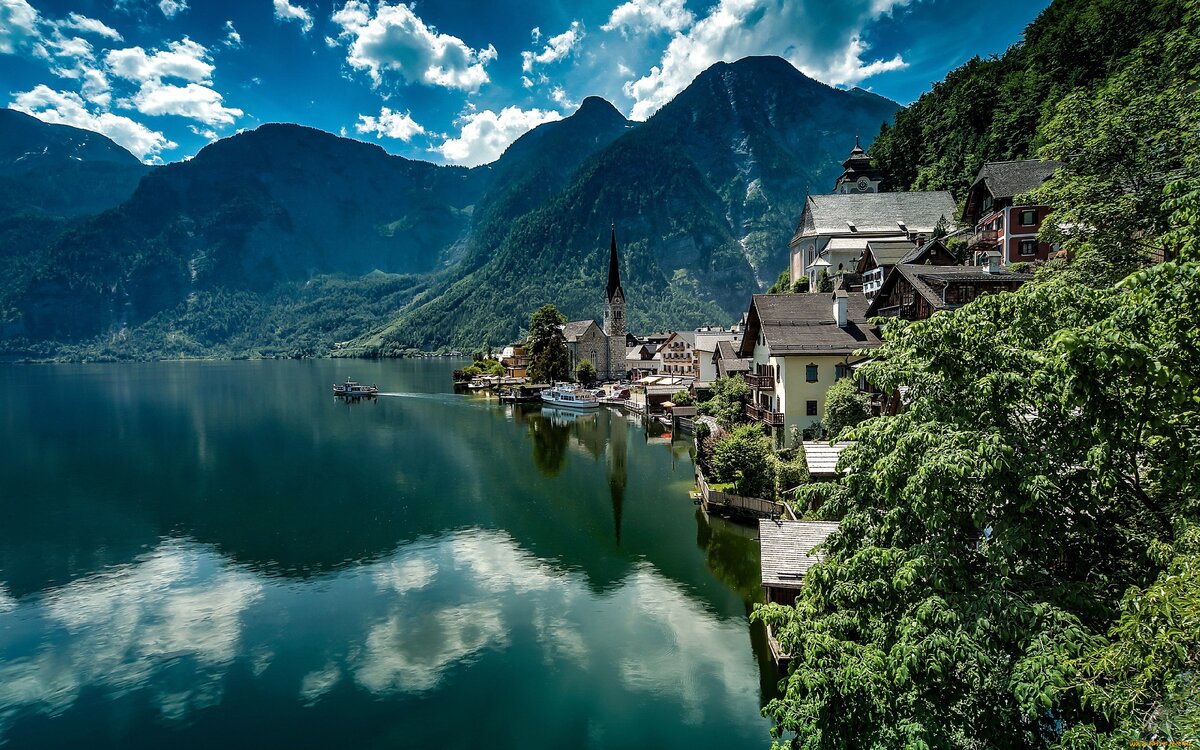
889,252
822,457
728,360
1006,179
796,324
786,549
874,212
920,277
614,269
576,328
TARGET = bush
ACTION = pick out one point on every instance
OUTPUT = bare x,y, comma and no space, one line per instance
585,372
727,405
745,458
682,398
792,472
845,406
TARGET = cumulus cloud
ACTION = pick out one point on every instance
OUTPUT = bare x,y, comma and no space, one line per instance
285,11
69,108
556,48
560,97
171,8
193,101
823,41
390,124
394,39
485,134
18,26
637,16
181,59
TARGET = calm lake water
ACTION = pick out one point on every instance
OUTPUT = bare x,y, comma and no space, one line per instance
220,555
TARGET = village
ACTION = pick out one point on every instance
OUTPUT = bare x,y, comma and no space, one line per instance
768,398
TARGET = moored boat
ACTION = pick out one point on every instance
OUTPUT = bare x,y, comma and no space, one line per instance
570,397
354,389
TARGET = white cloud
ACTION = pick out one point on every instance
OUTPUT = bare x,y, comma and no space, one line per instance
171,8
232,37
285,11
182,59
18,26
485,134
68,108
559,96
95,87
390,124
86,25
208,133
824,42
396,39
193,101
638,16
557,47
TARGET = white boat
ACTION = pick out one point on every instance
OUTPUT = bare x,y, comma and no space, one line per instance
570,397
354,389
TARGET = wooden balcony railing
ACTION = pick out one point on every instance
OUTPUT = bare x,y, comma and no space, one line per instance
759,414
984,237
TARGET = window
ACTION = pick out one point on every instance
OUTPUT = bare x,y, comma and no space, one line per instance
810,373
1029,247
810,408
839,372
1028,218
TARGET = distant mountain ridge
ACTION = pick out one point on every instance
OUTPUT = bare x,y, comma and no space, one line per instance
704,195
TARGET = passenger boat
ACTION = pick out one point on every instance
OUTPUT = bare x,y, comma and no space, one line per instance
354,389
570,397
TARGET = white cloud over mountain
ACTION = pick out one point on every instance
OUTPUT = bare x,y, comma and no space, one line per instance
395,39
556,47
389,124
641,16
69,108
485,134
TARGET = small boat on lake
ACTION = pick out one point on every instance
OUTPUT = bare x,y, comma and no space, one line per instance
354,389
570,397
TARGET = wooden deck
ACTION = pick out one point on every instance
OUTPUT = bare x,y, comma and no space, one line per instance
728,504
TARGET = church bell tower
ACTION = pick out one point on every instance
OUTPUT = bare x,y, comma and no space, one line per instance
614,315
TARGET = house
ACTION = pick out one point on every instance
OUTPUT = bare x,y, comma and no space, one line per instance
515,359
881,255
833,230
703,366
915,292
797,346
1001,224
727,362
676,354
786,552
640,361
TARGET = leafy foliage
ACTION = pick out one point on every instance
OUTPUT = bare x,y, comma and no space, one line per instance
728,401
744,457
681,397
845,407
548,358
585,372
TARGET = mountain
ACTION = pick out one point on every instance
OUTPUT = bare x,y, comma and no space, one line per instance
58,170
705,194
286,240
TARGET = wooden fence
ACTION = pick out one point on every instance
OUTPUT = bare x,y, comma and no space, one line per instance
725,503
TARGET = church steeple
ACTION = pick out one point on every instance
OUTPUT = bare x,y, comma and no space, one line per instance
858,175
614,269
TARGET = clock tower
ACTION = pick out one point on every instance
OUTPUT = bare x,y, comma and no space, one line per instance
858,175
614,314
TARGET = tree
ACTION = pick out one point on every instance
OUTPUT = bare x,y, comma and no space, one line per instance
845,406
782,283
681,398
728,401
745,458
791,472
548,359
824,281
800,286
585,372
1017,559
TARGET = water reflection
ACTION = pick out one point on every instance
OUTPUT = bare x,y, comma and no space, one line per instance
550,437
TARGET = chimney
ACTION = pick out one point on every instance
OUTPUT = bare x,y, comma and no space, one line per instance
991,262
921,240
840,301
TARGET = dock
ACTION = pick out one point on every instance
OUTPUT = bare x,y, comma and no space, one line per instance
727,504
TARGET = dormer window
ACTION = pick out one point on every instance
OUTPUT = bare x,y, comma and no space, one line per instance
851,225
903,227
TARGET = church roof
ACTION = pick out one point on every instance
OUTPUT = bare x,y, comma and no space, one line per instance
576,328
614,269
847,214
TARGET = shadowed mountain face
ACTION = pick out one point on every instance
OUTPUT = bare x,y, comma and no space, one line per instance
249,232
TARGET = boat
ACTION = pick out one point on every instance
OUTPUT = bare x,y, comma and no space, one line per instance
354,389
618,398
570,397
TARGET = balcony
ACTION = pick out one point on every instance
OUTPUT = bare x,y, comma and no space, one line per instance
760,414
764,379
986,237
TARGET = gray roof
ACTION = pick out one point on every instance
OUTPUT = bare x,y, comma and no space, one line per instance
799,324
1007,179
576,328
822,458
875,212
785,548
890,252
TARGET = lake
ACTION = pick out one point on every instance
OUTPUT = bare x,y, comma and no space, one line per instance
221,555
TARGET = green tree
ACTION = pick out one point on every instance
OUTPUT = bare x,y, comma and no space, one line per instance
548,359
800,286
681,398
585,372
791,472
745,457
782,284
728,401
824,281
845,406
1017,557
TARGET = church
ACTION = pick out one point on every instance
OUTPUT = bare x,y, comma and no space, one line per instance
604,346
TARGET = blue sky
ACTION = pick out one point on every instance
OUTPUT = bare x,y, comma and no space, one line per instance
448,81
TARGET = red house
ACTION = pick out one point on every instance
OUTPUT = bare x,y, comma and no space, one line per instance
999,222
